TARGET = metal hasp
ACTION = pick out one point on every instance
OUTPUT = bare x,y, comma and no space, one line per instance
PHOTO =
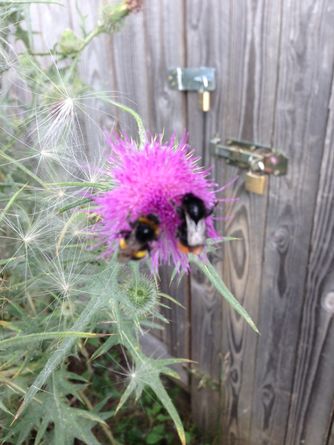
200,79
192,79
253,157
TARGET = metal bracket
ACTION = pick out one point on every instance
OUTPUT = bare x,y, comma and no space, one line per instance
192,79
254,157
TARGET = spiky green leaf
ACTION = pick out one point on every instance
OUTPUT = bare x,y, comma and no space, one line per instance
210,272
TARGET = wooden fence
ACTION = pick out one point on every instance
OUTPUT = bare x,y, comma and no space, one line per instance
274,62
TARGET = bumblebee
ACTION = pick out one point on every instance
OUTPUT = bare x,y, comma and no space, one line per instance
191,232
135,243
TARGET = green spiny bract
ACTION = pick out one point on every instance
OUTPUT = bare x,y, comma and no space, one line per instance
140,296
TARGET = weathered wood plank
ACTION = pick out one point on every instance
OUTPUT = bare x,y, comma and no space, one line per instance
47,22
176,334
251,80
150,43
206,304
206,352
305,75
312,403
164,33
330,440
243,107
96,70
128,52
165,48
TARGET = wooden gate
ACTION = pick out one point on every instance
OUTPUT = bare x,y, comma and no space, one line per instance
274,62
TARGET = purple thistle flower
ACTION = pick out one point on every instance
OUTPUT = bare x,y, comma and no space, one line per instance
153,180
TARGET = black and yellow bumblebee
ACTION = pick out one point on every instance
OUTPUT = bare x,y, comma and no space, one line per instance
191,232
135,244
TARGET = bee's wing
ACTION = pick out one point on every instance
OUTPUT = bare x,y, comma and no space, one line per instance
195,232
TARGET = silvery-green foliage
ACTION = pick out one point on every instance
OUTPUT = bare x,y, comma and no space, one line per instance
56,289
52,408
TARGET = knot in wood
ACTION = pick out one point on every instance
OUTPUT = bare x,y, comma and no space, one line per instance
281,239
328,302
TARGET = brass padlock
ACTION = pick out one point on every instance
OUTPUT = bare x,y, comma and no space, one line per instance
204,101
256,182
204,95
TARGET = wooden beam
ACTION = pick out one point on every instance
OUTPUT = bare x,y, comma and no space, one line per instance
305,76
312,400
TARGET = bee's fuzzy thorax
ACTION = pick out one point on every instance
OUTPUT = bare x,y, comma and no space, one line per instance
153,180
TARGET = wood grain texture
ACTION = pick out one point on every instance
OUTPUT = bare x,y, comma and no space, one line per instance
330,440
206,352
126,51
248,113
148,45
305,75
206,304
164,36
47,22
312,403
176,334
234,38
165,48
96,70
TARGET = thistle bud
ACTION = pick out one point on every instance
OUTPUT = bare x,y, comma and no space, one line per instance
112,15
70,43
140,296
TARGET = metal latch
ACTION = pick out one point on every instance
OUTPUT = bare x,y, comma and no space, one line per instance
259,160
254,157
202,80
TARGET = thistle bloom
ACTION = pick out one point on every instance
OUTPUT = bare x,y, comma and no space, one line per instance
153,179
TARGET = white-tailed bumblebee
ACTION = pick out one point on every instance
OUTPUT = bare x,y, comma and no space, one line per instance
135,243
191,232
